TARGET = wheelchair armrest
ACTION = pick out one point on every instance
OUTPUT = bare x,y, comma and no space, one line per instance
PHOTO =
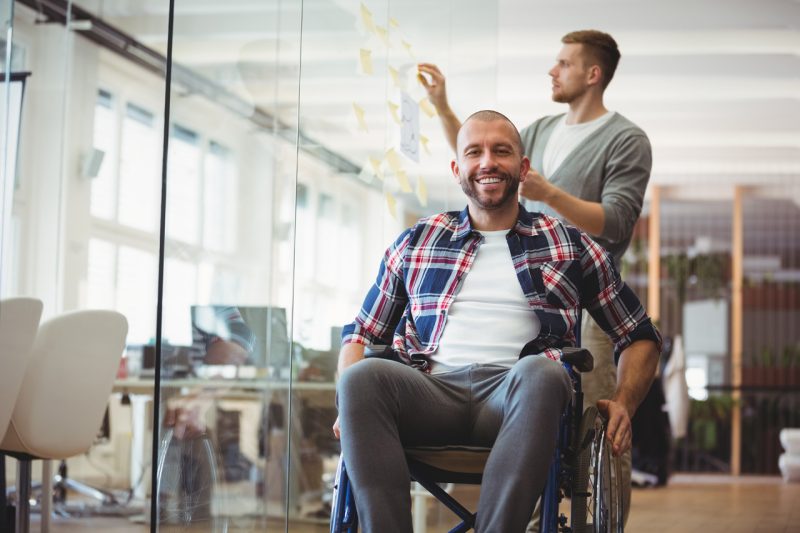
376,350
580,358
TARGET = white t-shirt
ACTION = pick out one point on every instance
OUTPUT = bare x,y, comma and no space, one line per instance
489,320
565,138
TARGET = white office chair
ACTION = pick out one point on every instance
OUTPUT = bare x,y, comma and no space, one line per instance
64,394
19,321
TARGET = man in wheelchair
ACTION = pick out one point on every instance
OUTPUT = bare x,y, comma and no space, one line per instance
476,306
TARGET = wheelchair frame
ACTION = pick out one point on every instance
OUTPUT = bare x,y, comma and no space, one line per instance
583,468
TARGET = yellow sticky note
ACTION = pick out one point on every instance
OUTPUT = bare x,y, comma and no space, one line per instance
422,191
427,107
391,204
359,111
393,23
394,161
383,33
393,108
424,140
375,163
407,46
366,61
402,179
366,19
396,77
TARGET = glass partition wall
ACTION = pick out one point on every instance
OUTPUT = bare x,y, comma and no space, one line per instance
227,179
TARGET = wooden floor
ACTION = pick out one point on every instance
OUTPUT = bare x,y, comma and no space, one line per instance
704,504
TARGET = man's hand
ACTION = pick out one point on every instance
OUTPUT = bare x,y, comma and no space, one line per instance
586,215
618,430
222,352
337,431
437,93
438,97
186,417
536,187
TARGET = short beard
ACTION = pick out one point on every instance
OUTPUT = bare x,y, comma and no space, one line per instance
512,191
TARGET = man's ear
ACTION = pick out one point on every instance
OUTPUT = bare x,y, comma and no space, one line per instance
595,75
525,166
454,170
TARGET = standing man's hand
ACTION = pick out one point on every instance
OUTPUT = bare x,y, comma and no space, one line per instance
618,428
337,431
437,93
432,79
535,187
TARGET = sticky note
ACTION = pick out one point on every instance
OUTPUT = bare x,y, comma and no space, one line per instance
422,191
394,160
366,19
402,180
393,23
396,79
393,108
427,107
359,112
375,163
424,140
407,46
383,34
391,204
366,61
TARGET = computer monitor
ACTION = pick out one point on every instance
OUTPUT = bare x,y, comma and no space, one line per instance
262,330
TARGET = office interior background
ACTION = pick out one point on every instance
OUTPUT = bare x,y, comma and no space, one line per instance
290,142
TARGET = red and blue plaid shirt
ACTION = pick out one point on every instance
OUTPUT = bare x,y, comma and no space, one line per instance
559,268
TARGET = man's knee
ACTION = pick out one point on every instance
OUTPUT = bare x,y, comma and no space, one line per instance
541,377
365,380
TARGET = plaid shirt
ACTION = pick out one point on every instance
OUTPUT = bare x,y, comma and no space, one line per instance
559,268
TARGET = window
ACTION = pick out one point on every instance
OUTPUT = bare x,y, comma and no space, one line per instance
124,278
202,207
220,200
139,170
183,186
104,186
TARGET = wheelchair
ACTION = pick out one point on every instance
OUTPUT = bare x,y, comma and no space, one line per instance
583,471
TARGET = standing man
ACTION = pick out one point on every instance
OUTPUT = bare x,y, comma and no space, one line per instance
589,166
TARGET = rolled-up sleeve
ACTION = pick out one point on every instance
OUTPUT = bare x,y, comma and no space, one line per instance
627,173
385,302
610,302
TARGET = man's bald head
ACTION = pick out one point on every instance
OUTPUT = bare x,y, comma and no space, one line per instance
488,115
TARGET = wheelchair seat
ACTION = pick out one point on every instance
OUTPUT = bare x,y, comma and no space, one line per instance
451,460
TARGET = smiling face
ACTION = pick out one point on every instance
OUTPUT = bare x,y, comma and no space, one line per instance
571,75
489,165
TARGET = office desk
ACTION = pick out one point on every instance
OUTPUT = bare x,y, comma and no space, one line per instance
218,390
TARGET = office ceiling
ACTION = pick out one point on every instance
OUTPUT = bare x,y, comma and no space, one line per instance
714,83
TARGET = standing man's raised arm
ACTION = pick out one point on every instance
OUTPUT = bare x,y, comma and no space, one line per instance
437,93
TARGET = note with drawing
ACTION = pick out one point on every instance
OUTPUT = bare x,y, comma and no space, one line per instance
409,128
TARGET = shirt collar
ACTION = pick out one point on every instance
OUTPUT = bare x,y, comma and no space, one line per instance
525,224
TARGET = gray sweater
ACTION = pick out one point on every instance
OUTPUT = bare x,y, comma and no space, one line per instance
612,166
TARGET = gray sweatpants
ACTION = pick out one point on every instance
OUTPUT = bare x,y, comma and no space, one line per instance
384,406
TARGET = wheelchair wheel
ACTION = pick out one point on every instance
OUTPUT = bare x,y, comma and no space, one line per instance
596,493
187,481
344,518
